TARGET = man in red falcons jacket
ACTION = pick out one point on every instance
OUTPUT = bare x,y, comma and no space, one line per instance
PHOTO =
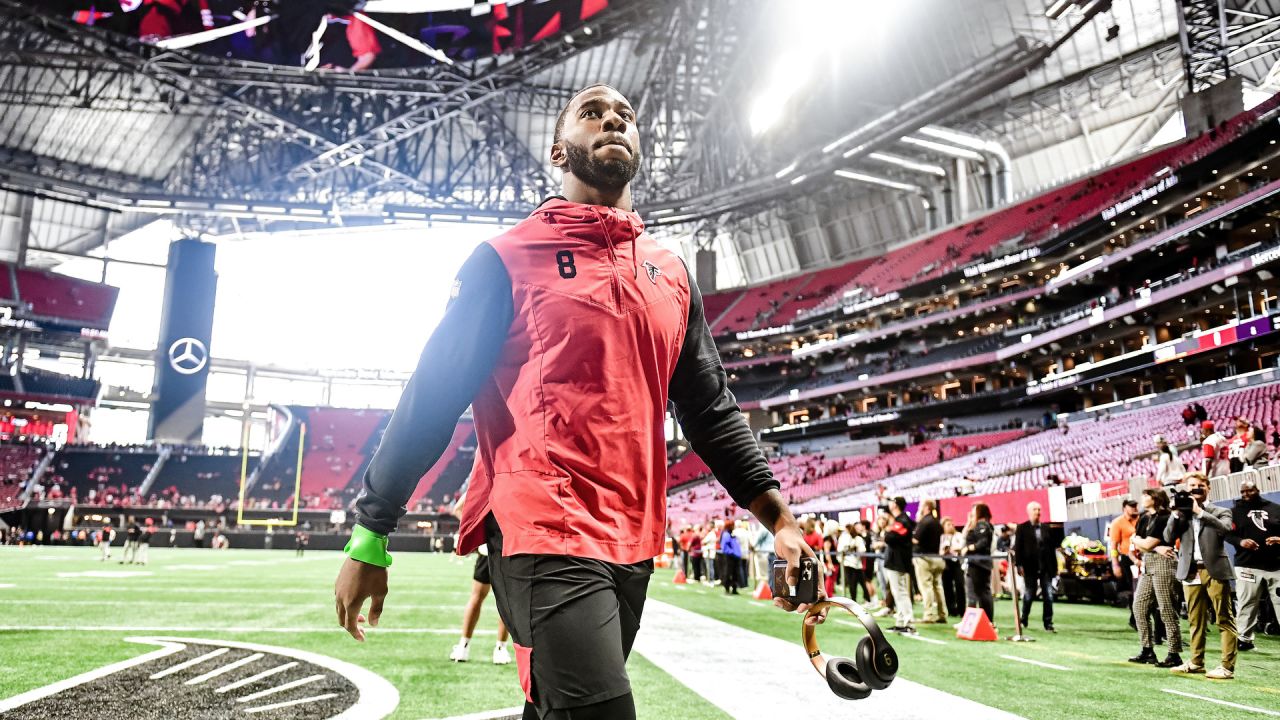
567,335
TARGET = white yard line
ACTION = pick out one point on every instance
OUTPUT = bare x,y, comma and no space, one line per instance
1237,706
714,659
1050,666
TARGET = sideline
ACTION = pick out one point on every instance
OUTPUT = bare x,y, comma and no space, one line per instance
1051,666
712,658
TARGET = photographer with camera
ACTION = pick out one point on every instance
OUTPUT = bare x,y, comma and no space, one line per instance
1205,572
1257,561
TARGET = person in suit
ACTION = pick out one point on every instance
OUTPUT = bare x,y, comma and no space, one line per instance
1035,547
1206,575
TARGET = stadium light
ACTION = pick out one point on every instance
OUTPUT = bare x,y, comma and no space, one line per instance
1056,8
942,147
787,170
953,151
908,163
876,180
788,78
953,137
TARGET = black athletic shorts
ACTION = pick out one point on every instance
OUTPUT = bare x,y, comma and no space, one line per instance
481,573
572,620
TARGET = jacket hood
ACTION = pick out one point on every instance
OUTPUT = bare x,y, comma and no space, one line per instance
599,224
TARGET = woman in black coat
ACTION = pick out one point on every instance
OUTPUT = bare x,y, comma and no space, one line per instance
978,541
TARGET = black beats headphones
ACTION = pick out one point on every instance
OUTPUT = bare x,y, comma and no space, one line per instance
874,664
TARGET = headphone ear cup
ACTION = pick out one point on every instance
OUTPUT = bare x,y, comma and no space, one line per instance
866,655
878,666
844,679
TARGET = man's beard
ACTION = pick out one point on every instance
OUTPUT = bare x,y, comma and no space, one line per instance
601,174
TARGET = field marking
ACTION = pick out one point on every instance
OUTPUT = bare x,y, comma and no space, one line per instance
108,574
711,656
921,638
190,663
166,649
7,585
1050,666
224,669
255,678
1238,706
184,589
489,714
281,688
232,629
324,602
291,703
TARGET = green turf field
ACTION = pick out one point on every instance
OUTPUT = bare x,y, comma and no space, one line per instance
59,622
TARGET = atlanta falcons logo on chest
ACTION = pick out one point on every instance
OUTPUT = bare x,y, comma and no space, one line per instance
1259,518
652,270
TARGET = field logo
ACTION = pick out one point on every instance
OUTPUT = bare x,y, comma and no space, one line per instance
213,679
188,356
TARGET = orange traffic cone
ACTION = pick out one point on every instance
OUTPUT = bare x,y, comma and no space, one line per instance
976,626
763,592
680,579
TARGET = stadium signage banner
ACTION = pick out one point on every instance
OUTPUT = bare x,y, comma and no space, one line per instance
870,419
182,352
1133,201
1264,257
873,302
1007,260
751,334
1216,338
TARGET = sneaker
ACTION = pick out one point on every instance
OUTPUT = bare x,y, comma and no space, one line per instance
1171,660
908,630
1188,668
1244,645
882,612
1050,629
501,656
1220,673
460,653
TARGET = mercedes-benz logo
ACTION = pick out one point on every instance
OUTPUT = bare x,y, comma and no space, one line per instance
188,356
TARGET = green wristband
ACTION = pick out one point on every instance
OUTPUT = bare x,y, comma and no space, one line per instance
368,546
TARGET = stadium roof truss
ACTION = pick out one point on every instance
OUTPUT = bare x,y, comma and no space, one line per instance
118,126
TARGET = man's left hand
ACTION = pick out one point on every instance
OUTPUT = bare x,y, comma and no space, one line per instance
789,545
1196,509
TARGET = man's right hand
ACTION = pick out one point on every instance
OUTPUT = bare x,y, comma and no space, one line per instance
357,582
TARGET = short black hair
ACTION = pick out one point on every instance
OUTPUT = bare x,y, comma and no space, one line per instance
564,111
901,502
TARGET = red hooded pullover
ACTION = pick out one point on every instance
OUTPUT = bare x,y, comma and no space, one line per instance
568,334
